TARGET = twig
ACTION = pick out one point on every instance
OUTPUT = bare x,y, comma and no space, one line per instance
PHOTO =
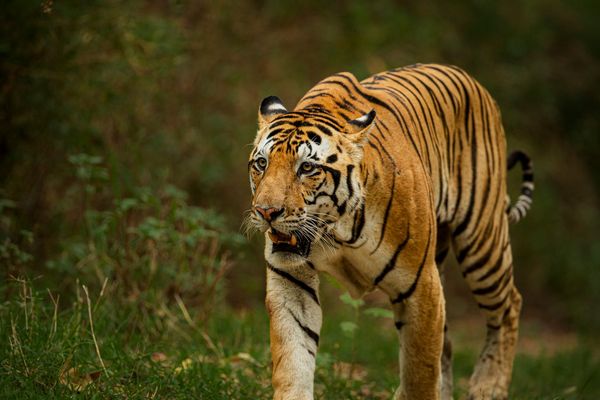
15,342
101,292
184,311
186,316
89,307
24,296
55,316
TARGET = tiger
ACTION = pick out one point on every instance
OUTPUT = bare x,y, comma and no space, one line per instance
374,183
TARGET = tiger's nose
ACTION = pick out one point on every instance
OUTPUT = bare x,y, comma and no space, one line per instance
269,214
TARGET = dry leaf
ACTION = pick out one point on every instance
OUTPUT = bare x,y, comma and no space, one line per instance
159,357
76,380
241,358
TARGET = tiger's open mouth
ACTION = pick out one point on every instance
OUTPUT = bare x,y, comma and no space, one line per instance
280,237
289,243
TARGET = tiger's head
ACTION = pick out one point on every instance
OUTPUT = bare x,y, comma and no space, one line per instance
305,175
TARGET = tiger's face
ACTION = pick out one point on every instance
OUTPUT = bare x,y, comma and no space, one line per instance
305,177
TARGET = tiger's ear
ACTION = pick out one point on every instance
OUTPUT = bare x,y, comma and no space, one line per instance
269,108
357,129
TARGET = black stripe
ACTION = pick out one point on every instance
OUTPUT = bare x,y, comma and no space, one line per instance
469,121
316,96
358,224
368,97
314,137
392,263
323,128
280,122
418,99
411,289
375,147
474,246
274,132
399,118
349,169
335,175
389,156
495,306
496,267
328,120
386,215
399,324
312,334
309,290
447,89
496,327
502,279
485,192
484,260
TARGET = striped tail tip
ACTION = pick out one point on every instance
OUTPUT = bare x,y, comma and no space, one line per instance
519,209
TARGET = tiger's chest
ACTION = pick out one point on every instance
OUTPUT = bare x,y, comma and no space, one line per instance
348,272
352,266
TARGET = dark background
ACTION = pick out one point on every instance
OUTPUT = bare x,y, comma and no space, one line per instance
123,95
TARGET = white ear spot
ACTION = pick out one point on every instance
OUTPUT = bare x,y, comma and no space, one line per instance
274,108
272,105
364,120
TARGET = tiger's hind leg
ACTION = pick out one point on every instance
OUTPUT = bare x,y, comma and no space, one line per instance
441,254
485,259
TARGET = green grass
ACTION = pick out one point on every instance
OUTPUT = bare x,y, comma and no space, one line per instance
51,353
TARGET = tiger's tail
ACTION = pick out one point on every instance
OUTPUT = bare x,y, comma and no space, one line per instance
519,209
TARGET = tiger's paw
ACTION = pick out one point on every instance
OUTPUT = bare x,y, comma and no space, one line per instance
492,388
293,395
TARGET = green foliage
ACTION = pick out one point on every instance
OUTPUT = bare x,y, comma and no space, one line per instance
379,312
356,304
154,248
350,328
12,255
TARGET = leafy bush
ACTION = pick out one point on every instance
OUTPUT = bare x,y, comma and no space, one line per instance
151,251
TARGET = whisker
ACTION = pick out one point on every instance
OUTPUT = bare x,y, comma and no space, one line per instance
250,224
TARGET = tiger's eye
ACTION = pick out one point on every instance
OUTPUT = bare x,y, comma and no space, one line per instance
306,167
262,163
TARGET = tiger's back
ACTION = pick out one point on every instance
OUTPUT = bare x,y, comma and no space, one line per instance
441,113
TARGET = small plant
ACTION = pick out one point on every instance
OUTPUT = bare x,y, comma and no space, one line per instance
350,328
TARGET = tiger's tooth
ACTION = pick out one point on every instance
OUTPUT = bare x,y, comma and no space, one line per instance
273,237
293,240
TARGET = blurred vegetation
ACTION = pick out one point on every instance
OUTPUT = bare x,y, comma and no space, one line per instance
125,122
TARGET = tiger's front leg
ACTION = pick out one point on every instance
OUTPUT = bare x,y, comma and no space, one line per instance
419,319
293,305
